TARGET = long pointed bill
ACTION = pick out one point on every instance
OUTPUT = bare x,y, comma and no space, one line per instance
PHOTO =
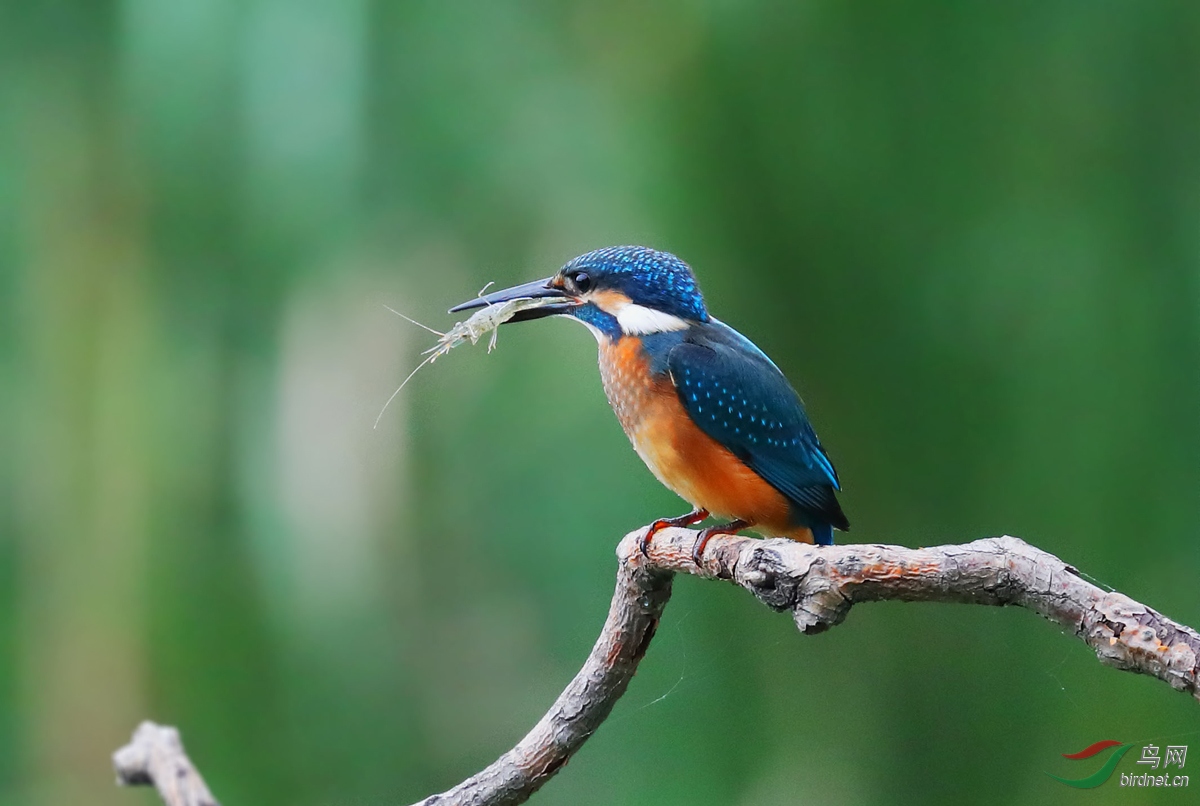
555,300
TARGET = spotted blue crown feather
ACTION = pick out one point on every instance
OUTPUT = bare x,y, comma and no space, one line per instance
652,278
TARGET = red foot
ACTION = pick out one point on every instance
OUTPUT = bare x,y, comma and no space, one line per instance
731,528
690,519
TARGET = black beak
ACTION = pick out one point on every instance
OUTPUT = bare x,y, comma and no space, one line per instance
538,289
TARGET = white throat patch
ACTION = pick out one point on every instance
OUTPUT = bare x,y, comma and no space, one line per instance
638,320
634,320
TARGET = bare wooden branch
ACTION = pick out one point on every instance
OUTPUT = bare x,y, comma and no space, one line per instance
155,757
641,594
819,585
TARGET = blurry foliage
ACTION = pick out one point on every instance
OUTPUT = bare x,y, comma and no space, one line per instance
968,232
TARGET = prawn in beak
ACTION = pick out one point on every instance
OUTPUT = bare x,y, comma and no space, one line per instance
538,289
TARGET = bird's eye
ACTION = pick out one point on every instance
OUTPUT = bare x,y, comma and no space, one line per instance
581,281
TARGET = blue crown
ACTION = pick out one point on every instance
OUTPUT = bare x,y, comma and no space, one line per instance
648,277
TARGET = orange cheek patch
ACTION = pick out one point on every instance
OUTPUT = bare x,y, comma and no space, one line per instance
608,300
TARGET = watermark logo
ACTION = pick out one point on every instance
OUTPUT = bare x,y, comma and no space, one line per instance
1152,756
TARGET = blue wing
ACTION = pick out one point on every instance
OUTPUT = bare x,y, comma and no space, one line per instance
739,398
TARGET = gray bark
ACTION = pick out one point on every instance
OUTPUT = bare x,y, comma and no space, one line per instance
818,585
155,757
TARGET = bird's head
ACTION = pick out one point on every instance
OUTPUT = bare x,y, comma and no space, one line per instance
617,291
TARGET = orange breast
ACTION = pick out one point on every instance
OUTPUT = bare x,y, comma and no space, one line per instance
685,459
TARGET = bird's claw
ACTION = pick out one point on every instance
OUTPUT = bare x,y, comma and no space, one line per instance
693,517
707,534
644,543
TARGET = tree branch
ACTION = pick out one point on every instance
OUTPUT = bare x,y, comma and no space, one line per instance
155,757
819,585
641,594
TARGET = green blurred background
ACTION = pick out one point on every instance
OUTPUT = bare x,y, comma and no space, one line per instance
970,234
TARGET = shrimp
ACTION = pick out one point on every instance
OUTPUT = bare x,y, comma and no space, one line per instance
484,321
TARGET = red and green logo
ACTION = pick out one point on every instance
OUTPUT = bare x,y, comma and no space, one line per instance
1101,775
1155,759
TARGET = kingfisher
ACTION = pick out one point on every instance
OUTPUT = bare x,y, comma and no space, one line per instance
709,413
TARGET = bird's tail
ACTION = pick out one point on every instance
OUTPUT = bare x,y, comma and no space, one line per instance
821,534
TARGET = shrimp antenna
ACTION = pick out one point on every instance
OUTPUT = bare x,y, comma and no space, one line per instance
414,321
398,388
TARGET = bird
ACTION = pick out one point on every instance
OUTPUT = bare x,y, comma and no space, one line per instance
712,417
